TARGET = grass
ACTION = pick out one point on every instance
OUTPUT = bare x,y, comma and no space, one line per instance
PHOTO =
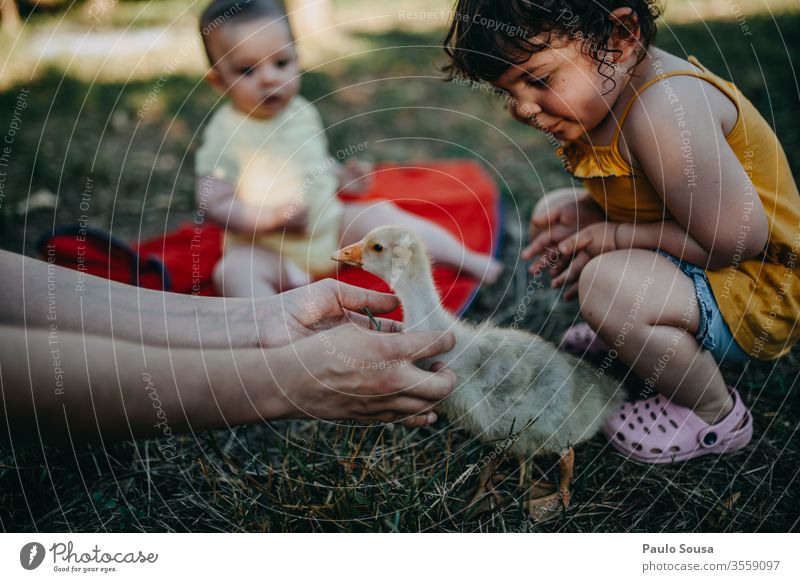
314,476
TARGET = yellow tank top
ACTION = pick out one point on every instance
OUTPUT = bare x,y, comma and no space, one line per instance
759,298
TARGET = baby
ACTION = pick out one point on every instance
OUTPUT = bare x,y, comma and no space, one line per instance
263,170
683,245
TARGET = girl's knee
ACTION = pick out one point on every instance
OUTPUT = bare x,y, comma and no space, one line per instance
614,283
603,282
593,282
589,299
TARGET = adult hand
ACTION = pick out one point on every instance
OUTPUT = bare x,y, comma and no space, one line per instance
350,372
323,305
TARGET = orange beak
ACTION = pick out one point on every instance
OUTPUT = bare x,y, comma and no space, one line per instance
350,255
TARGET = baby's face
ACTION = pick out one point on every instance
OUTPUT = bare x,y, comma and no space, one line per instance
559,90
256,65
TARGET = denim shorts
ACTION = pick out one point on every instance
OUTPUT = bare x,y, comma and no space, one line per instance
713,333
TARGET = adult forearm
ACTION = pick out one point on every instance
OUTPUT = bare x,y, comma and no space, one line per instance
67,385
37,294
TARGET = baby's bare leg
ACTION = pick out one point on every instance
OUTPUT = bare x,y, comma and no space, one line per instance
646,309
359,219
246,271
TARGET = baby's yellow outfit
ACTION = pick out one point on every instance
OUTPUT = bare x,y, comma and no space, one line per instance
759,298
274,162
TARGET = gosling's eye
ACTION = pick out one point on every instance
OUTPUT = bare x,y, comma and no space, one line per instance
377,247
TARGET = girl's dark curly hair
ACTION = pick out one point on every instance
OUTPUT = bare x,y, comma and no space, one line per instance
486,37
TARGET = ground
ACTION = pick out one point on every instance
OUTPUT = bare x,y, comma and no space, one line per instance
77,134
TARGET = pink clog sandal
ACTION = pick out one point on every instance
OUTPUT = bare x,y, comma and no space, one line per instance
581,341
658,431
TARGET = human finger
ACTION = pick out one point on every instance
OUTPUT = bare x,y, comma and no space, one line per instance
559,269
430,386
438,365
407,421
419,345
571,292
537,266
550,238
549,215
550,260
573,243
355,298
400,403
571,274
538,243
420,420
576,267
563,266
384,325
561,263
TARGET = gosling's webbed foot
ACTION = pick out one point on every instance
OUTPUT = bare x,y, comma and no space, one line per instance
543,501
485,496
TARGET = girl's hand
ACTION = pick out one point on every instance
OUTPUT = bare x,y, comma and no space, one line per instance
595,239
356,176
323,305
581,247
352,373
553,224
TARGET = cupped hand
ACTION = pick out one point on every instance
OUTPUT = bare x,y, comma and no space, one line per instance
551,225
582,247
320,306
594,240
348,372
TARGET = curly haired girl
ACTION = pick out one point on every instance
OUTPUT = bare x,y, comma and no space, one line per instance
682,245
